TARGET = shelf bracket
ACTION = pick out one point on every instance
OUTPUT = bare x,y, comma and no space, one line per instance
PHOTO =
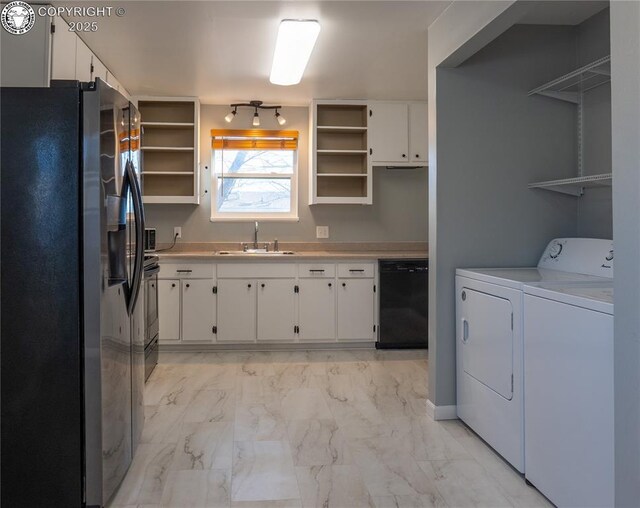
572,97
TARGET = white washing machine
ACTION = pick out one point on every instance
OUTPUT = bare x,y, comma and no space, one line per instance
489,336
568,393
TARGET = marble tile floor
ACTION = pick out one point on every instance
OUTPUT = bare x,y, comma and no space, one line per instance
340,429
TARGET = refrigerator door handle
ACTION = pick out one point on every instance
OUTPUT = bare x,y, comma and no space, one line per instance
138,213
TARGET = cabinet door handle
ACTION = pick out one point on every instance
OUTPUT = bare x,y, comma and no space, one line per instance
187,285
404,155
358,270
344,284
249,286
184,271
261,285
329,284
417,156
173,285
316,270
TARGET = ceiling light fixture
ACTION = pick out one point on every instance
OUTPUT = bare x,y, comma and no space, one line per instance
295,42
229,118
256,105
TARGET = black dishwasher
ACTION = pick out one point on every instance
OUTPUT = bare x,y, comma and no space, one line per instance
404,286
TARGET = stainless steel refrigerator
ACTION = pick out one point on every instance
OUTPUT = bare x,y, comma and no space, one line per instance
72,362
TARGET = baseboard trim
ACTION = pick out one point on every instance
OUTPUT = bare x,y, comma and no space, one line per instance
441,412
203,348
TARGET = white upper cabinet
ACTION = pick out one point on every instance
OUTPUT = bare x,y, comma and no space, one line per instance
418,132
398,133
83,61
99,70
111,79
340,167
63,51
49,51
389,132
25,60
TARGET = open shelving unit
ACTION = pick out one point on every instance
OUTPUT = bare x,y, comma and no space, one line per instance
574,186
170,141
570,88
340,167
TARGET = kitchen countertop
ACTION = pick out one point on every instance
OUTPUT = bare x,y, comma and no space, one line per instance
210,251
301,255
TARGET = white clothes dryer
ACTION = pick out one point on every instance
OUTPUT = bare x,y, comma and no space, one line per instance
489,336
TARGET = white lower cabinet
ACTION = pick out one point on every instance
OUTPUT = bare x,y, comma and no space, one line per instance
317,309
169,310
236,310
198,310
276,309
356,309
254,302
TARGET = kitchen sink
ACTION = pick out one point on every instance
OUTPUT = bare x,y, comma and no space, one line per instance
254,252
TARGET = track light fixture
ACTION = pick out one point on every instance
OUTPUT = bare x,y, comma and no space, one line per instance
256,105
229,118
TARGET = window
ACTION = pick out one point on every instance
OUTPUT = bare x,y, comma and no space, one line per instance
254,175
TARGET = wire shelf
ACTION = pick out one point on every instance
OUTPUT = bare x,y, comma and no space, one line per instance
570,86
574,186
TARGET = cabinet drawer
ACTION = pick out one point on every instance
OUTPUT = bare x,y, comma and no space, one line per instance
316,270
356,270
186,271
256,270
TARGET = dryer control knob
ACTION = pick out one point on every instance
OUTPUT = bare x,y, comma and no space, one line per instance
555,250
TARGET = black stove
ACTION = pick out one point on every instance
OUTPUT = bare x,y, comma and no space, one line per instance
152,325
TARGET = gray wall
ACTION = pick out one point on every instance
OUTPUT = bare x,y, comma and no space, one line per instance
398,213
492,140
461,29
625,54
595,218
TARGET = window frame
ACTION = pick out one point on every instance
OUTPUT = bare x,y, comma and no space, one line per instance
291,216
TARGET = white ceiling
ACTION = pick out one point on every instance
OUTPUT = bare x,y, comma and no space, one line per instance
222,51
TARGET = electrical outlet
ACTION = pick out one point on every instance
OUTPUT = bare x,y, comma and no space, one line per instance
322,231
177,232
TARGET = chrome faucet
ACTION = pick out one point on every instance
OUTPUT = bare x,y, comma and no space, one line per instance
255,237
